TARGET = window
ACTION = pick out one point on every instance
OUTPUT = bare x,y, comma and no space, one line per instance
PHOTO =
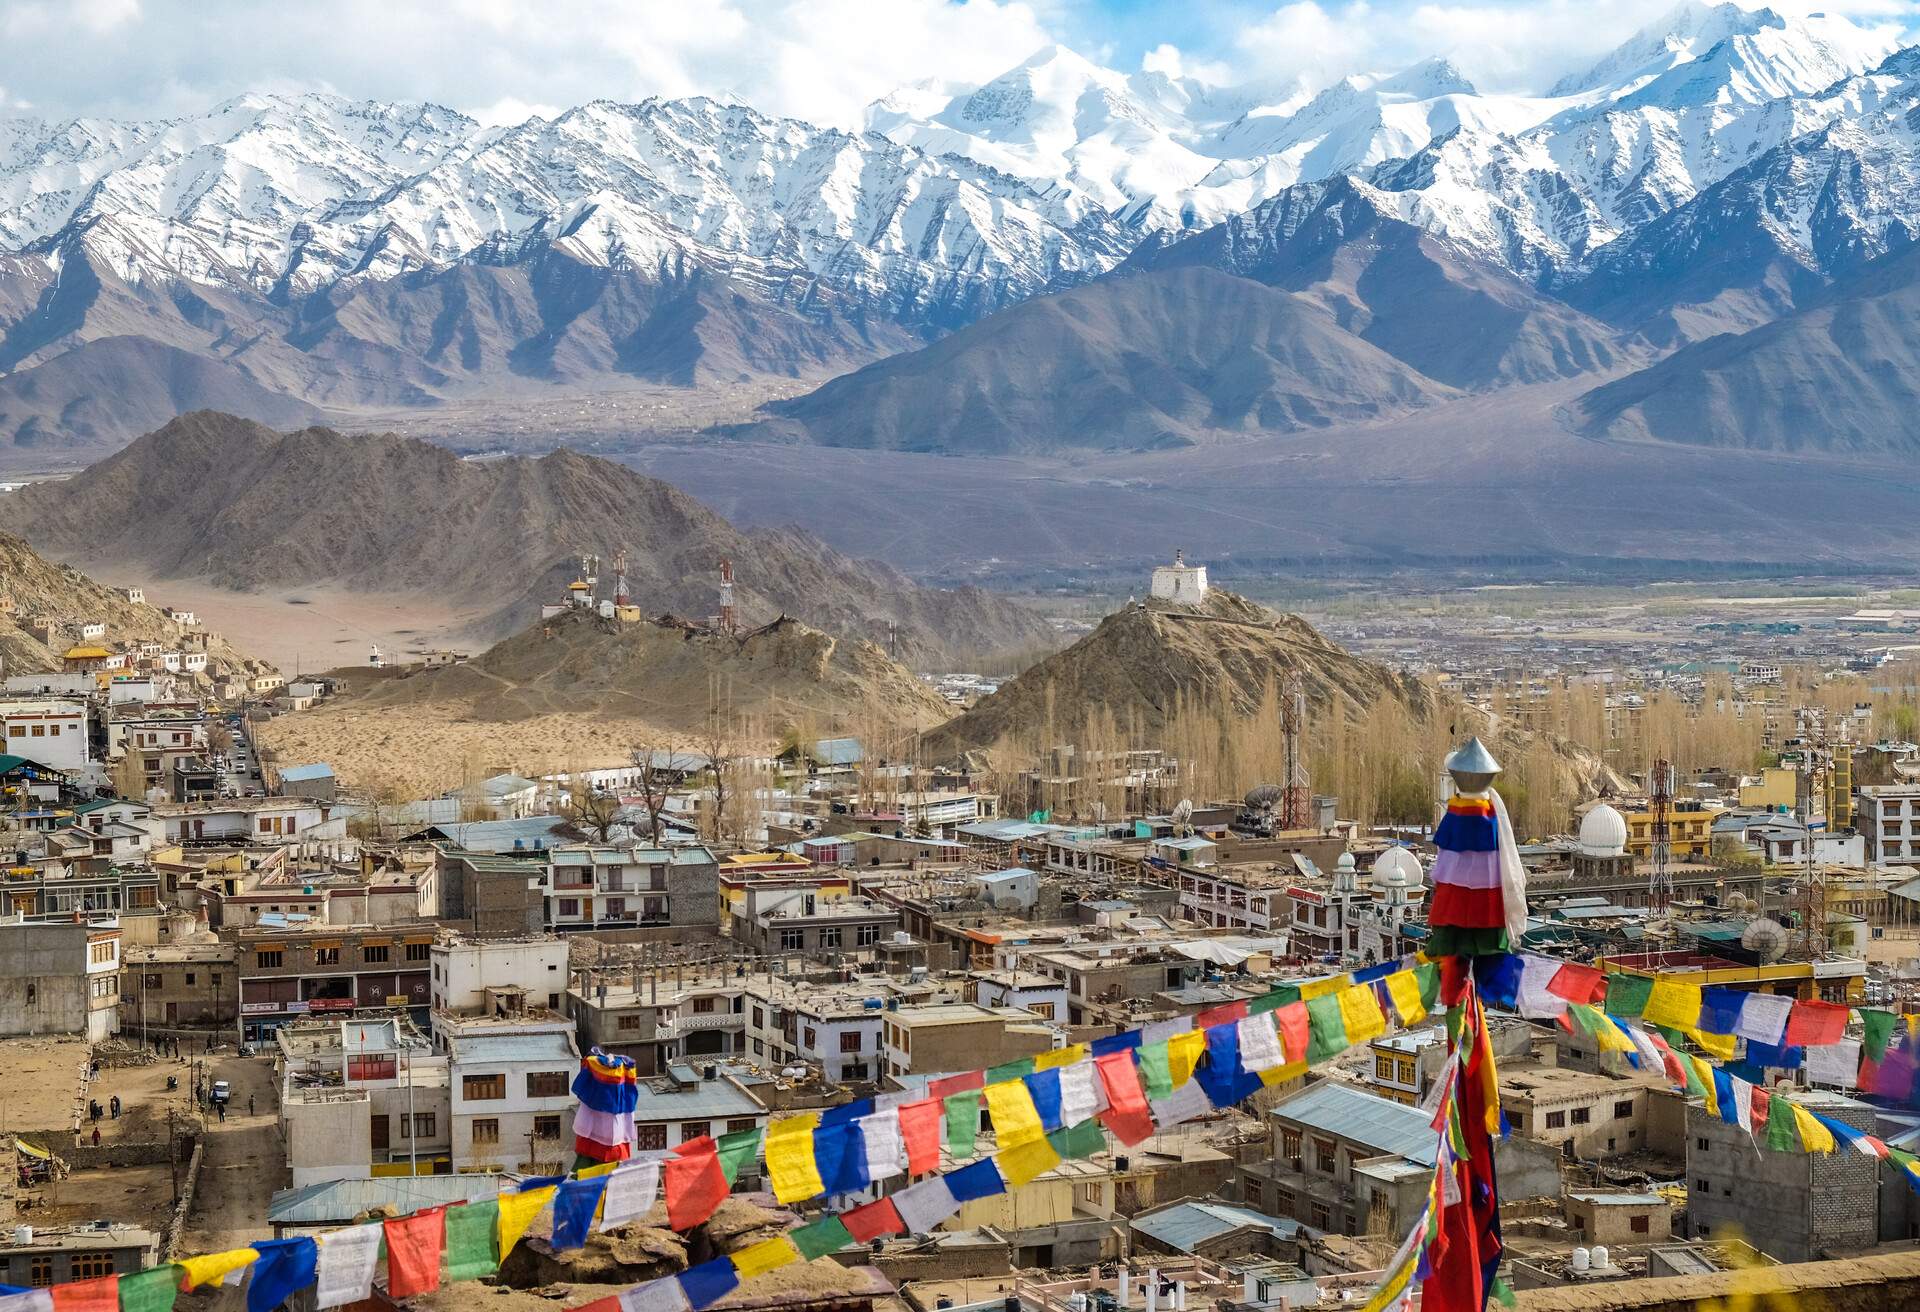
808,1040
650,1138
1406,1071
1290,1147
703,1005
741,1125
759,1047
1582,1115
865,936
326,956
547,1084
1383,1068
39,731
419,1126
1323,1157
1623,1109
371,1068
1556,1120
478,1088
1703,1186
418,951
546,1127
691,1130
1044,1010
101,954
1638,1224
375,953
189,977
16,731
850,1040
40,1270
830,937
759,1019
486,1130
630,1021
792,940
1322,1219
150,981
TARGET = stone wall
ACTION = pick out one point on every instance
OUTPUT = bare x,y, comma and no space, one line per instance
1886,1283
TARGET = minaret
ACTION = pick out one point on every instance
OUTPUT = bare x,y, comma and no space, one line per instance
726,596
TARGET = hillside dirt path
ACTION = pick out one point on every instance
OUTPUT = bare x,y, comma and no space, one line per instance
244,1163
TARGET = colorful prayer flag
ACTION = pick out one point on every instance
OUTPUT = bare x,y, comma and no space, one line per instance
473,1238
1023,1162
630,1195
791,1165
768,1255
152,1290
1813,1023
920,1131
820,1238
1015,1119
573,1209
694,1184
871,1221
213,1268
347,1263
1127,1114
963,1121
414,1245
517,1212
708,1283
284,1267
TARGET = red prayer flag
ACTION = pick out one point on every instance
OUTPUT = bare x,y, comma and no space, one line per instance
920,1124
1126,1114
414,1245
101,1295
1760,1108
1813,1024
1292,1022
871,1221
694,1183
1225,1013
1575,983
957,1084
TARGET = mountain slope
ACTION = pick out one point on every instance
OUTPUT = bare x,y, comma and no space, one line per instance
1150,666
1154,359
1842,375
213,497
33,587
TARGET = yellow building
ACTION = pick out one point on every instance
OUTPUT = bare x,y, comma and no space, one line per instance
1778,787
1071,1191
1689,833
1835,979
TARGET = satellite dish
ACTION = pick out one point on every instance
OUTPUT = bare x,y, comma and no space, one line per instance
1263,797
1182,817
1765,939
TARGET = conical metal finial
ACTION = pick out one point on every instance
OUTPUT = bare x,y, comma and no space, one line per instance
1472,766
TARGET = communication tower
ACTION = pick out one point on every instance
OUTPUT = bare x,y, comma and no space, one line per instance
726,596
1660,806
621,597
1296,801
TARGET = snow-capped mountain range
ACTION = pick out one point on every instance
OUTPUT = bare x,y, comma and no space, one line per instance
339,252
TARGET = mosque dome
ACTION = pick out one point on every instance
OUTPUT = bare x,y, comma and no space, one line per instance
1397,868
1603,832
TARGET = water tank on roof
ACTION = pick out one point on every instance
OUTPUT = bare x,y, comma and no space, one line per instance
1600,1257
1582,1261
901,936
873,1004
519,844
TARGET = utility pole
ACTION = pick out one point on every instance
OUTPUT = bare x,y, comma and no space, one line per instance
173,1156
413,1126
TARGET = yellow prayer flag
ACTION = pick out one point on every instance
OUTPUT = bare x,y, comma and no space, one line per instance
1319,988
212,1268
1673,1004
1020,1164
1281,1074
1814,1137
1404,988
598,1168
1183,1054
1704,1073
790,1161
1360,1013
767,1255
517,1212
1718,1046
1015,1119
1046,1061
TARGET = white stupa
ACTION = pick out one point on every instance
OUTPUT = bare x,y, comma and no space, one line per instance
1180,581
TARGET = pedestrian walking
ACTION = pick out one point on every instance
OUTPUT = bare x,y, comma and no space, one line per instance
96,1136
223,1111
249,1104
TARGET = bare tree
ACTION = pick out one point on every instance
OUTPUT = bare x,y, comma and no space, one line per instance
654,782
590,808
715,745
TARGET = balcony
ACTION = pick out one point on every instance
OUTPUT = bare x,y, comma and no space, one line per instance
701,1020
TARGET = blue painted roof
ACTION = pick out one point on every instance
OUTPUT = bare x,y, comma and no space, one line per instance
1185,1225
1362,1118
301,773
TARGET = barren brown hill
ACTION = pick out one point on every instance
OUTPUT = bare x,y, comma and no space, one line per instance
1201,681
228,501
580,690
33,587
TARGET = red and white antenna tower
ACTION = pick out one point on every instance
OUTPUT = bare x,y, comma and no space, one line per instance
726,596
621,597
1296,797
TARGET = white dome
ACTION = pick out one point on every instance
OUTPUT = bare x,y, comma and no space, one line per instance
1603,832
1397,867
1345,862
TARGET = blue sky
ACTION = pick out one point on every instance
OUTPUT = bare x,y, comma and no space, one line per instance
821,59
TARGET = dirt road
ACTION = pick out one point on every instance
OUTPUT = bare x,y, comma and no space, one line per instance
245,1161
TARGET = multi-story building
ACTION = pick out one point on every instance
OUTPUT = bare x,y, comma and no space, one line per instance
240,819
1247,897
1689,828
940,1037
285,973
37,1258
1042,994
1584,1114
466,970
656,1020
836,1029
362,1098
180,986
1791,1206
59,977
774,921
1339,1155
1888,815
682,1105
1327,915
497,894
597,886
512,1092
50,731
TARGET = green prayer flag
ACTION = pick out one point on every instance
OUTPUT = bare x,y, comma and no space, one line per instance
1156,1069
1879,1026
1504,1292
736,1150
1013,1070
1627,994
1429,980
963,1121
1274,1000
1082,1140
827,1235
1782,1134
1326,1028
473,1236
152,1290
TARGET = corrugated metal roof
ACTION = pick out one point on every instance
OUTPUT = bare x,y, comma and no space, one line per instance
514,1047
707,1100
342,1200
301,773
1362,1118
1185,1225
539,831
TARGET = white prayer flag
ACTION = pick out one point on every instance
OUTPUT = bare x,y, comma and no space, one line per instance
630,1193
344,1267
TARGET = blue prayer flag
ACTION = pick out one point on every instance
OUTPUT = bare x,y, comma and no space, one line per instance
573,1208
981,1179
283,1269
708,1283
